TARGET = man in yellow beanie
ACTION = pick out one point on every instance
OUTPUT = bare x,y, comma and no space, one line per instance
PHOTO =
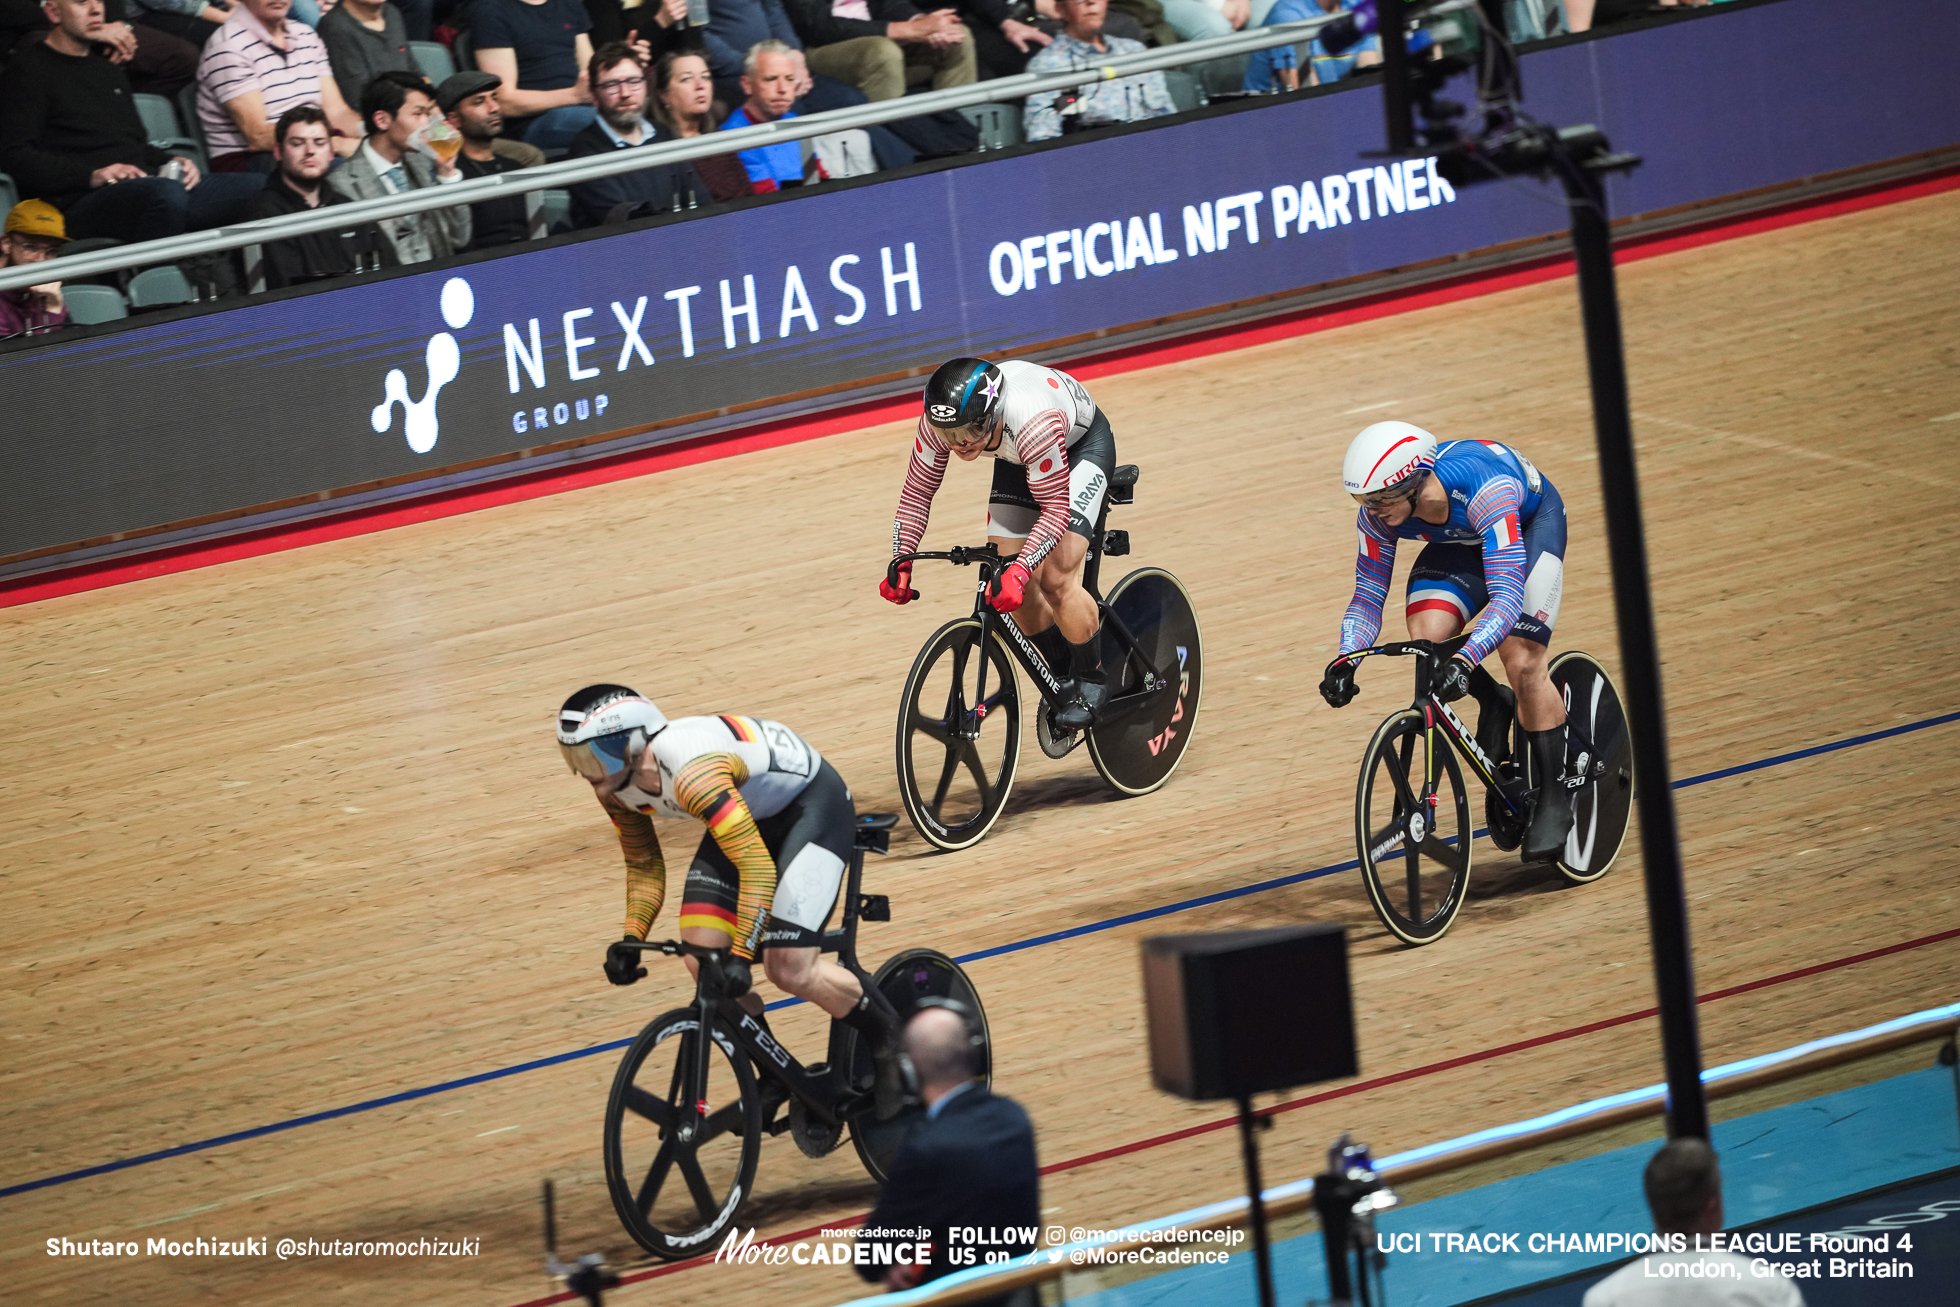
35,233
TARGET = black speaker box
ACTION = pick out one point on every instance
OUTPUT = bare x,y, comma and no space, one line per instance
1248,1011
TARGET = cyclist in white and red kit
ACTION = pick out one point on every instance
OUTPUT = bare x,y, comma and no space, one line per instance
1055,454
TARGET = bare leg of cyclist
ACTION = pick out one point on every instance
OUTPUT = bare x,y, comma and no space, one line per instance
1059,578
804,973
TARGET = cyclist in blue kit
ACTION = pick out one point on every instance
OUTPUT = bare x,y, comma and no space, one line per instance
1495,528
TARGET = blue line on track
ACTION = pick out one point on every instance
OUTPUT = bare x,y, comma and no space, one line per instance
1037,941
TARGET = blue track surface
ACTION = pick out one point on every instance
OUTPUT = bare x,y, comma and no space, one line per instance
1785,1160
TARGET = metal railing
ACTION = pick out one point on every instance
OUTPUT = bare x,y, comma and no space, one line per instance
1484,1146
566,172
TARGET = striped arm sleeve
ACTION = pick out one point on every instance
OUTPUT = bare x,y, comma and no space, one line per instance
1374,567
1043,447
646,870
1493,511
923,473
709,788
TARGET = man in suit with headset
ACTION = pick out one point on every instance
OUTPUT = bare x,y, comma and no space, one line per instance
970,1164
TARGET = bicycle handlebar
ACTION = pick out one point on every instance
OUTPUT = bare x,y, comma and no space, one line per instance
958,556
1436,650
673,948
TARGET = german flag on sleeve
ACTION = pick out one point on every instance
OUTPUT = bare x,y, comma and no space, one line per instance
708,788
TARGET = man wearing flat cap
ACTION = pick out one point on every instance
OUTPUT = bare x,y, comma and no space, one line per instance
469,101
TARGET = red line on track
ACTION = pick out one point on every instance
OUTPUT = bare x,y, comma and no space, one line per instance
186,557
1344,1091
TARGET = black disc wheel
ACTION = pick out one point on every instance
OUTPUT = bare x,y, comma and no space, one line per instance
1153,699
905,979
1597,741
1414,853
959,735
681,1147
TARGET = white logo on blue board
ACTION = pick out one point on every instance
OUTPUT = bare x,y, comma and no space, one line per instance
443,359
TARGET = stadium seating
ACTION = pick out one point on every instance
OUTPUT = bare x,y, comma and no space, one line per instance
9,193
999,125
1184,88
88,304
159,287
433,59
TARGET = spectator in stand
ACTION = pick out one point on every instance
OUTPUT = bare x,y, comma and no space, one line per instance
665,30
396,108
469,102
879,46
1195,20
1083,45
157,63
769,85
305,150
1684,1193
1331,68
1001,43
1278,68
34,234
194,21
260,64
365,38
540,48
736,27
73,138
619,85
683,105
970,1163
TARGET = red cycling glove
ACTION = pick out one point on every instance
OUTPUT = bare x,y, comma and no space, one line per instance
902,593
1008,587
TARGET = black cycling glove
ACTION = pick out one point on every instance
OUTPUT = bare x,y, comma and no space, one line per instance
1452,680
622,963
1338,687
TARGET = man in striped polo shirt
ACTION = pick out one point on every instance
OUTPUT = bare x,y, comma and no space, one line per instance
260,64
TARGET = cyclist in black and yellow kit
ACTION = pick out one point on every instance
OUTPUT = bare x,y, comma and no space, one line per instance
765,876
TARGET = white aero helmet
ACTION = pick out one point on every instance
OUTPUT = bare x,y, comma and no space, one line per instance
603,728
1384,455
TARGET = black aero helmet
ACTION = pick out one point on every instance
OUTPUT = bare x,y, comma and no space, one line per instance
964,392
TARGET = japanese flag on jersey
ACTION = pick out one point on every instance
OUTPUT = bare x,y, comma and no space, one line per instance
1505,531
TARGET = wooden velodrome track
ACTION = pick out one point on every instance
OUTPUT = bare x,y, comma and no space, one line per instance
287,834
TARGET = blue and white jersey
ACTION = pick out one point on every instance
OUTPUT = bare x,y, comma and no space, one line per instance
1493,493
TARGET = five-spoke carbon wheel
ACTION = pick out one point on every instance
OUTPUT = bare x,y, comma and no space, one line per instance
1596,726
1136,749
679,1167
959,736
1415,855
905,979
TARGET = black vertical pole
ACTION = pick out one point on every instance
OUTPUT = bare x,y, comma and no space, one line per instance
1395,75
1667,905
1255,1193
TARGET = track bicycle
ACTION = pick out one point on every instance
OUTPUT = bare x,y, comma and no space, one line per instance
1412,813
959,719
688,1113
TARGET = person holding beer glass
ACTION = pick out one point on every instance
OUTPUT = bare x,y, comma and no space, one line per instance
408,148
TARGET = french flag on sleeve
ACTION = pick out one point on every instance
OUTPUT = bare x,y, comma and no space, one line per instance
1371,548
1506,531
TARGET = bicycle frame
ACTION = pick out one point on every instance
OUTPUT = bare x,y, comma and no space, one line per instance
822,1087
990,562
1439,716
